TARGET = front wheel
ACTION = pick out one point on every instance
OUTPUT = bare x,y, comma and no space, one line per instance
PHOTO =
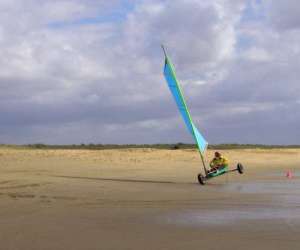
201,179
240,168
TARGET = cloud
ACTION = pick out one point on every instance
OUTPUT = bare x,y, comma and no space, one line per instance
283,15
91,71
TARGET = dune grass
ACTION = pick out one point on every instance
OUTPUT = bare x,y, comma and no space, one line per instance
92,146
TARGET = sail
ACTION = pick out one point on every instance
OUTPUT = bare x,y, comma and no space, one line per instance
176,91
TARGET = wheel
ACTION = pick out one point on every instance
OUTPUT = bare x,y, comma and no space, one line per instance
240,168
201,179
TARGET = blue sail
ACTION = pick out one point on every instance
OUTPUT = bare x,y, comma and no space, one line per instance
176,91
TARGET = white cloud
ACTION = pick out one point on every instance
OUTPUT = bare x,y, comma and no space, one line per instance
61,72
257,54
283,15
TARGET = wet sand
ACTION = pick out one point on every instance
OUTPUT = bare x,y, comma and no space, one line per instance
147,199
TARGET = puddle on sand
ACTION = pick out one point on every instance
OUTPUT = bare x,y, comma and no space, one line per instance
267,187
282,173
231,216
284,205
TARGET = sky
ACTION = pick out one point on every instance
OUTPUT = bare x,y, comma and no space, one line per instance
90,71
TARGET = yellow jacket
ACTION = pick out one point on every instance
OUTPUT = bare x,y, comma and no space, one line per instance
217,162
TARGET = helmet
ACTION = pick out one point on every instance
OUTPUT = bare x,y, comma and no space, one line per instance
217,154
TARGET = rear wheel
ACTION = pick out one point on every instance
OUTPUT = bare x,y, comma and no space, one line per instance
240,168
201,179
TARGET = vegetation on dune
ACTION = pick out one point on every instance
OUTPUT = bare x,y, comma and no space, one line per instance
92,146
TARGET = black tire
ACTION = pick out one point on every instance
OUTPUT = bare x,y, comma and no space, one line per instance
201,179
240,168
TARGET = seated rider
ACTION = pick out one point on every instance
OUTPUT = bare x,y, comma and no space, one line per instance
218,162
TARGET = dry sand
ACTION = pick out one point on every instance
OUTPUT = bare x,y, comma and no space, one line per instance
146,199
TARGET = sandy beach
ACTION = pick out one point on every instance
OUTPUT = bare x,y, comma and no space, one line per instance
147,199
